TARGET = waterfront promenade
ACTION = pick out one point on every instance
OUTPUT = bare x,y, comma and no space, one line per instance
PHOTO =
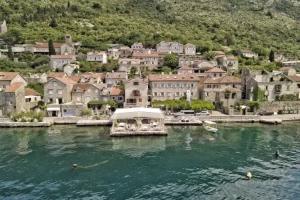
170,120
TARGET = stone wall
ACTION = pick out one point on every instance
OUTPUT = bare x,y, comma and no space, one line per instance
281,106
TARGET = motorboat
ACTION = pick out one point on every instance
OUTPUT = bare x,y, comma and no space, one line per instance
210,126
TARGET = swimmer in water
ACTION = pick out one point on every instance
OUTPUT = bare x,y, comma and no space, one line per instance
277,155
76,166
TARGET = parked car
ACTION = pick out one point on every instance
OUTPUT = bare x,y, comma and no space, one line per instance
265,113
204,112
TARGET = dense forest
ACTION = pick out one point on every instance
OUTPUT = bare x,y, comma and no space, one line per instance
259,25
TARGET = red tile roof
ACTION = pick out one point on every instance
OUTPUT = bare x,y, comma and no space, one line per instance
115,91
215,70
294,78
138,54
223,80
31,92
66,80
81,87
14,87
56,74
7,76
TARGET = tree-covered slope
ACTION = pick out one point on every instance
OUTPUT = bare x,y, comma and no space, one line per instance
255,24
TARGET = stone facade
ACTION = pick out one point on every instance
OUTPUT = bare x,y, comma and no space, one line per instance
136,93
97,57
163,87
215,73
224,91
58,90
190,49
169,47
13,99
115,78
8,78
85,92
273,85
149,59
59,61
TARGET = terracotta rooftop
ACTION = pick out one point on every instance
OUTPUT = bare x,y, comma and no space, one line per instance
81,87
116,75
294,78
31,92
66,80
56,74
173,77
7,76
223,80
284,69
14,87
93,75
138,54
115,91
215,70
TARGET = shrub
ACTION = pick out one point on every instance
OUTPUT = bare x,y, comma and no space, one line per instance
85,112
30,116
177,105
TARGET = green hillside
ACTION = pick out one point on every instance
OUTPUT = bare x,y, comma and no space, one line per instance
210,24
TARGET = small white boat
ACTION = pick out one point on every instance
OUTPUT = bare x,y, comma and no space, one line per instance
210,126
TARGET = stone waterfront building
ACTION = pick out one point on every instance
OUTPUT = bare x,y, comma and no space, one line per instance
271,86
58,90
174,86
136,93
223,91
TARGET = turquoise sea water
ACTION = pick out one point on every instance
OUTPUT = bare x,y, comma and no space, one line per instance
188,164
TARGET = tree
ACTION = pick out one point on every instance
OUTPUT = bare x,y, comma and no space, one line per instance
171,60
53,23
10,53
51,47
272,56
133,71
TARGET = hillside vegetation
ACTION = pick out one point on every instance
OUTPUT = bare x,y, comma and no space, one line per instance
259,25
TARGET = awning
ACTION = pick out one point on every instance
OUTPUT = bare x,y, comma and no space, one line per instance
130,113
53,109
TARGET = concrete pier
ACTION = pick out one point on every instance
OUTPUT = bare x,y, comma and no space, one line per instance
24,124
94,123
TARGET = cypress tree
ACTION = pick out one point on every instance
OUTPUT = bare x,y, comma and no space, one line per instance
272,56
53,23
51,47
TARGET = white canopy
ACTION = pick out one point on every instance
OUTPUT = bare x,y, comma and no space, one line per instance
130,113
53,109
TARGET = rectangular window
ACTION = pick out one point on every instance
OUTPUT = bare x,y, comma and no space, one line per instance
59,92
50,91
